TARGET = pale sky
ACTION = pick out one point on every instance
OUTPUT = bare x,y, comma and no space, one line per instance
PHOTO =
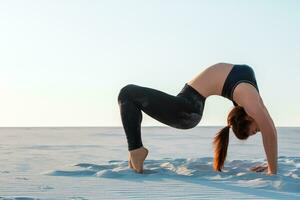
63,63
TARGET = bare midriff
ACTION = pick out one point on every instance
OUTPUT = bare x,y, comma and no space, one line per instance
211,80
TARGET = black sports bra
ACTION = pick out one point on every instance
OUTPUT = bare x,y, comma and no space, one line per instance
238,74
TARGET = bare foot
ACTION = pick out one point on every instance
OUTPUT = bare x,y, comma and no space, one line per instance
137,158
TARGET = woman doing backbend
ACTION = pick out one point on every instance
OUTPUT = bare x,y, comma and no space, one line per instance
235,82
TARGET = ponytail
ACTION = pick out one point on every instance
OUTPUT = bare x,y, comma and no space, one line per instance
221,145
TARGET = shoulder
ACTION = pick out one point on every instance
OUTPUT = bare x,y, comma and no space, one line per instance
247,96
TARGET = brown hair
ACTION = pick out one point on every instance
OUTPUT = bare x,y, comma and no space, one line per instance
240,122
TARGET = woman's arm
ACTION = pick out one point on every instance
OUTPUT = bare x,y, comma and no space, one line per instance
248,97
269,135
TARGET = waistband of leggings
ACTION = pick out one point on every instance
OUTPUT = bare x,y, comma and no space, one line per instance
188,88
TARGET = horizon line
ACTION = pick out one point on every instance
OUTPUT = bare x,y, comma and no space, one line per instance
203,126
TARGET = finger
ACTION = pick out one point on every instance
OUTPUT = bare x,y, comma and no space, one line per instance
260,170
254,168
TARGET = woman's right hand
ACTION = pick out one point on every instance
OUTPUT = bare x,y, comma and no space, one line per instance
259,168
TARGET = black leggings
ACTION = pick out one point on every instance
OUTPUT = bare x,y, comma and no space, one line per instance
182,111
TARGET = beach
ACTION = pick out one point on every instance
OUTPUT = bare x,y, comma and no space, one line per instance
91,163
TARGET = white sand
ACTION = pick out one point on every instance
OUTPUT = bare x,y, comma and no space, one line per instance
91,163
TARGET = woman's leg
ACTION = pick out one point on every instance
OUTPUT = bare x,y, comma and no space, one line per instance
175,111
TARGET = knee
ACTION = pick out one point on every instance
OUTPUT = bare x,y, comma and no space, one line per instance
125,92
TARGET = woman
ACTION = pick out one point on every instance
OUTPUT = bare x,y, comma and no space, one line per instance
234,82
